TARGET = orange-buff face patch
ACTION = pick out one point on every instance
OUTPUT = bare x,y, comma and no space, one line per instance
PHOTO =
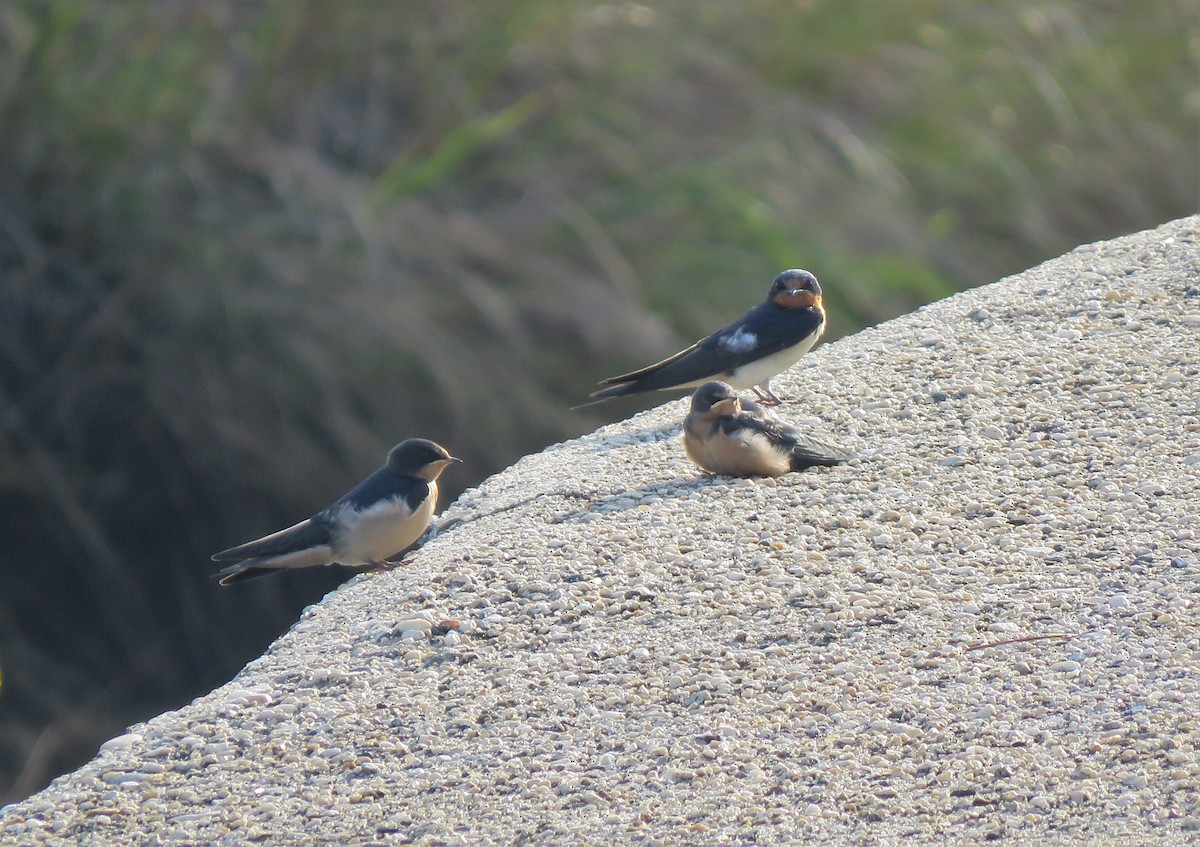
797,299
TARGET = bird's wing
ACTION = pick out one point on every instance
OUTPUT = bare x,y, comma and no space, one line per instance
804,450
309,533
318,531
807,452
384,485
256,566
640,373
762,331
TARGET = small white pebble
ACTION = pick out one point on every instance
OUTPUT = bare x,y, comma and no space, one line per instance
122,742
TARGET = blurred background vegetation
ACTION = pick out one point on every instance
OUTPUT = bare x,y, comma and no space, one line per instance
245,247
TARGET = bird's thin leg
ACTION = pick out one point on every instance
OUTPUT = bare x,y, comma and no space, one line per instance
385,565
389,564
765,395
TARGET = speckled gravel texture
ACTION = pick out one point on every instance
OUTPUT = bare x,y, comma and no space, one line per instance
982,629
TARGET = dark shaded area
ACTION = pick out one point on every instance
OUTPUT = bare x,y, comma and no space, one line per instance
247,247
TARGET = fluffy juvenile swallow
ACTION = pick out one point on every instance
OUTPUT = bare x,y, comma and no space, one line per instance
378,518
723,435
768,339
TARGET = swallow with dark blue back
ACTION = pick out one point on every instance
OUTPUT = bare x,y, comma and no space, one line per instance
766,340
379,518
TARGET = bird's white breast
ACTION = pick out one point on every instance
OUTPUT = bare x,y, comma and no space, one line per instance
384,529
759,371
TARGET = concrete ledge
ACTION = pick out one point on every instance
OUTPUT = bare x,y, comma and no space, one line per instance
982,628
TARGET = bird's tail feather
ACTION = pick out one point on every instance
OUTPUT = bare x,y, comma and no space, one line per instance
609,393
243,571
808,457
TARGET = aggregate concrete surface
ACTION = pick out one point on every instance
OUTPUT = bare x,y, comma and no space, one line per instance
983,629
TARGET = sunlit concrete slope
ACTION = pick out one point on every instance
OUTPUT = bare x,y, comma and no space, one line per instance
983,629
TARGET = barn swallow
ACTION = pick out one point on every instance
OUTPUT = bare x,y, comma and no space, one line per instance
768,339
725,435
378,518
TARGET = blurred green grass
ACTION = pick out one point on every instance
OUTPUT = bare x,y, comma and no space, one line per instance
247,246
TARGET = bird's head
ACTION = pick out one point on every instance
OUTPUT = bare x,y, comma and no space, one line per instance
419,457
796,289
715,399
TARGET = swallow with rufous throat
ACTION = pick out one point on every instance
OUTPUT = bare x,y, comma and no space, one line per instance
378,519
766,340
